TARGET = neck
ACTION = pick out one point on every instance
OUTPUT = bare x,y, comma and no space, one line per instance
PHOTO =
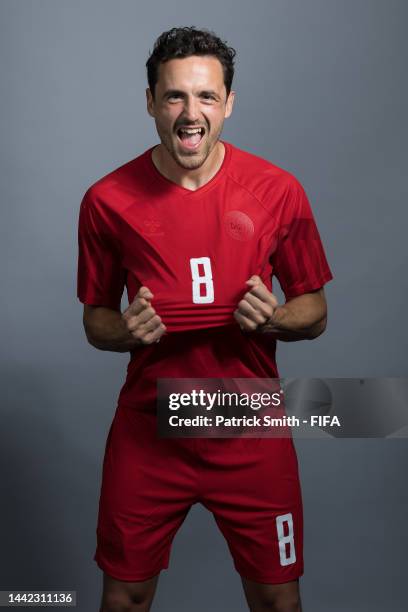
189,179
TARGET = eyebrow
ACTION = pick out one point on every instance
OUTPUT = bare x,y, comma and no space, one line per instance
177,92
173,92
209,92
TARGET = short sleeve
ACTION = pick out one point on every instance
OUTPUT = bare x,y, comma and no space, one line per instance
100,278
299,261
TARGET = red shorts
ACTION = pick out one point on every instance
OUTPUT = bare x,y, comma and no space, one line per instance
251,485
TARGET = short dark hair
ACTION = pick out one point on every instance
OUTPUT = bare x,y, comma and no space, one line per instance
187,41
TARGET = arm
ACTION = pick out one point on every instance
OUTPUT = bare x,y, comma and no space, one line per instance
105,329
301,318
110,330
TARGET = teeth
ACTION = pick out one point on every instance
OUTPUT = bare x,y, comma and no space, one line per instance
190,130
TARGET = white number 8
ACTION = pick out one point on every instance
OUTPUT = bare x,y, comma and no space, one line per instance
286,559
198,280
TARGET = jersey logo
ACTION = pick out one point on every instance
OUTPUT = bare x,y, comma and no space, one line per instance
238,225
152,227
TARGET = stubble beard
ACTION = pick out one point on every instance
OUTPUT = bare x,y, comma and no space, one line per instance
187,161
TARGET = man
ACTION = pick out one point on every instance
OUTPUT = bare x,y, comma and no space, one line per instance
195,228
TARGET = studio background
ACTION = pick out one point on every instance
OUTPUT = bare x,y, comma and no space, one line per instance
322,92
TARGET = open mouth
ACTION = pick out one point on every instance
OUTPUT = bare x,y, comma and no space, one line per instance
191,137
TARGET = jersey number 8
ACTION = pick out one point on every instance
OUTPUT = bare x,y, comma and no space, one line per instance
203,279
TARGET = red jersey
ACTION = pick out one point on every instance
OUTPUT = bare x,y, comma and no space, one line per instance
195,250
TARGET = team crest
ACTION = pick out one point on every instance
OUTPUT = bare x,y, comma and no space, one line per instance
238,225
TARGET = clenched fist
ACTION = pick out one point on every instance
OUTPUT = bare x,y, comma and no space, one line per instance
256,307
141,319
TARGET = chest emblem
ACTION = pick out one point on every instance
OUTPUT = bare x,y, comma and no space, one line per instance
238,225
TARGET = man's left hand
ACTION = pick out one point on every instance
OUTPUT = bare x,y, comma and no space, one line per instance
257,307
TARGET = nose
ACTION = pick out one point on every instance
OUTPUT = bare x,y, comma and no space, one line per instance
191,109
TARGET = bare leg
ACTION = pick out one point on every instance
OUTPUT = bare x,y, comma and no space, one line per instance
123,596
283,597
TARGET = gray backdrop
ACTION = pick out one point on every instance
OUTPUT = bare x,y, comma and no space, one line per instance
321,91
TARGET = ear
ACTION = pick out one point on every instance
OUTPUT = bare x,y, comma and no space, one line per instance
229,104
149,102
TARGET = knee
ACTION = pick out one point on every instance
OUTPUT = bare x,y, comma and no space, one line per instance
281,603
290,607
137,602
288,603
115,604
122,596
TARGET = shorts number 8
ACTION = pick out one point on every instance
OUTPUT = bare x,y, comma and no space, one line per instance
286,541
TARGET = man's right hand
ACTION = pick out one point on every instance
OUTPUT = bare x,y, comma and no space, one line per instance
141,319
